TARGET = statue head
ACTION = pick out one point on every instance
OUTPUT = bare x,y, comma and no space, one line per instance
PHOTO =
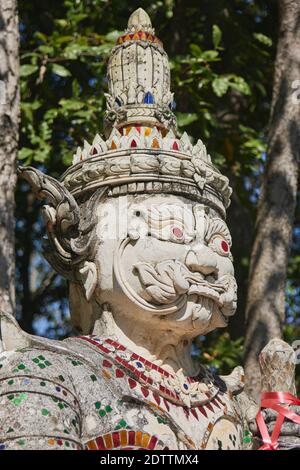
138,220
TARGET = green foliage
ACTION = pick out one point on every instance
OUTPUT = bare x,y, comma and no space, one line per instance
222,353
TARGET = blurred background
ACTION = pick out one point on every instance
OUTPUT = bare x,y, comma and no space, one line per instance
222,59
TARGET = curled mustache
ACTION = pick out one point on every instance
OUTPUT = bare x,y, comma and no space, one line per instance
169,279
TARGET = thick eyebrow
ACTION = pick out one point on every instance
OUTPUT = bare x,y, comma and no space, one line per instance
216,226
170,214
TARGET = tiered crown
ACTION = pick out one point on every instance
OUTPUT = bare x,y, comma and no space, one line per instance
139,78
142,152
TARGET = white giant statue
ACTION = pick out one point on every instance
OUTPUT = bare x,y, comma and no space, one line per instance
137,226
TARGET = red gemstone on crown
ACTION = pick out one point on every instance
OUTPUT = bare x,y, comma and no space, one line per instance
175,146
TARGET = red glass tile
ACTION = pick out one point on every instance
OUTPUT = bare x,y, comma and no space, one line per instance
194,413
156,398
131,438
132,383
147,363
116,439
145,392
135,356
106,363
175,146
152,443
94,151
202,410
166,404
133,143
208,405
214,402
100,443
119,373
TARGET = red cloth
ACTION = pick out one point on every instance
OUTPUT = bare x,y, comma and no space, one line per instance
280,402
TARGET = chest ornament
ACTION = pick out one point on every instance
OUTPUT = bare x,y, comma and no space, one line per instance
177,388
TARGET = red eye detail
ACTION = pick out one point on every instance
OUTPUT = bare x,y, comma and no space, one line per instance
177,232
225,246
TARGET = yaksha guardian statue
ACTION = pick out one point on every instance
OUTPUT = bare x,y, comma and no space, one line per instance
137,226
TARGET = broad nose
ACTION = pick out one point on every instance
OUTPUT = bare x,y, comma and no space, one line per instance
201,259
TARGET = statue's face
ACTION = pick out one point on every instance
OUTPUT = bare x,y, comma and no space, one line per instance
171,263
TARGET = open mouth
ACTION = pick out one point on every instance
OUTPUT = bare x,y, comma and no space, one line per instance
170,279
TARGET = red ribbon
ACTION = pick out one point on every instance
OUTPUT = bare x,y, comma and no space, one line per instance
280,402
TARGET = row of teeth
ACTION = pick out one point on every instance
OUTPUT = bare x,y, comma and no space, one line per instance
155,140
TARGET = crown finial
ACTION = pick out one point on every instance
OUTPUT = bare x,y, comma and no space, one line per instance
139,19
139,79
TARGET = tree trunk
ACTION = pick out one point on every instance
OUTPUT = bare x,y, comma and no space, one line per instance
9,121
265,311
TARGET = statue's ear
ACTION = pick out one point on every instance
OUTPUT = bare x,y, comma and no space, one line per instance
88,277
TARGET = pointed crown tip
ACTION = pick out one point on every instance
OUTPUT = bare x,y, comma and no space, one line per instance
139,18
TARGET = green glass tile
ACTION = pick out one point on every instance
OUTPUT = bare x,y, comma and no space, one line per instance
98,405
17,401
21,442
108,408
10,430
61,406
41,358
10,382
1,365
93,377
21,366
36,360
67,444
44,411
102,413
161,420
43,384
41,366
61,378
48,363
10,397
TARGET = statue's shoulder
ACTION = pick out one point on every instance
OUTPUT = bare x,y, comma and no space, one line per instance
22,352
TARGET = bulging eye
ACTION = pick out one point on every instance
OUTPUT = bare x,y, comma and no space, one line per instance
177,233
221,246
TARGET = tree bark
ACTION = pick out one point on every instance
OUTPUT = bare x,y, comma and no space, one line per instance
9,121
265,310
